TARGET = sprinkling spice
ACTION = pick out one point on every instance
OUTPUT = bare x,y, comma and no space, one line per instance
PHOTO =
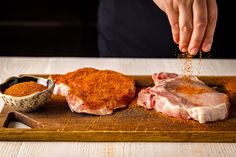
187,63
187,70
24,89
187,67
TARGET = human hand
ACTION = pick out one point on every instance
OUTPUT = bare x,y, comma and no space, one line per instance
192,23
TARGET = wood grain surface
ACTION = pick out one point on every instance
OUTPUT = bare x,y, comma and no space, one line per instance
55,122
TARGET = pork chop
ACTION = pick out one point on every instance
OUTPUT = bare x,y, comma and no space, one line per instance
184,97
95,91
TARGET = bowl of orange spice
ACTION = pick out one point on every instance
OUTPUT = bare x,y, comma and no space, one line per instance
26,93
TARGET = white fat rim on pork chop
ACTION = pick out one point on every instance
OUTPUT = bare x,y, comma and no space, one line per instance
61,89
218,112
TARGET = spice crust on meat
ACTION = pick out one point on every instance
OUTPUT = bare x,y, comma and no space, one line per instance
97,89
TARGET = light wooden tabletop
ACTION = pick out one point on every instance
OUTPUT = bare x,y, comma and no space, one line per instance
13,66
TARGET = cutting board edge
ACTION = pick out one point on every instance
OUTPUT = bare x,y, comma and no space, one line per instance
7,134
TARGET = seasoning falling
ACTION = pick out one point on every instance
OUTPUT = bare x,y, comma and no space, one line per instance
187,68
187,63
24,89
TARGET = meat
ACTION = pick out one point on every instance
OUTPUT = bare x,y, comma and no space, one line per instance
95,91
184,97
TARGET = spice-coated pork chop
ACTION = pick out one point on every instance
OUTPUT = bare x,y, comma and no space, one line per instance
186,98
94,91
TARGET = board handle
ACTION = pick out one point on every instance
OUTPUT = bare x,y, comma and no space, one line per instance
19,117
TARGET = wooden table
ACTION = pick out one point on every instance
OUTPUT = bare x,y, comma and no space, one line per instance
15,66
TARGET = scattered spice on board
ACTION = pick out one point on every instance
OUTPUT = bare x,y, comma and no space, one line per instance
24,89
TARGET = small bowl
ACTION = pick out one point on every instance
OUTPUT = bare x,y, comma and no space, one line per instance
31,102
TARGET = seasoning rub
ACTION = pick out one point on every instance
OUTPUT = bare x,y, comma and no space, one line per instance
24,89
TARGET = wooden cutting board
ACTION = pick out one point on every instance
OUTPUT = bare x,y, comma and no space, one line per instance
55,122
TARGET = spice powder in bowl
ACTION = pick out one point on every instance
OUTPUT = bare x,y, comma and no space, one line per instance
26,93
24,89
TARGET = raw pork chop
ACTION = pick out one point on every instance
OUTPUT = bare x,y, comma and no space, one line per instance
184,97
94,91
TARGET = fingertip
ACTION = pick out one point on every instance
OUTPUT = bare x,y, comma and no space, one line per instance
175,33
206,48
193,51
183,49
176,39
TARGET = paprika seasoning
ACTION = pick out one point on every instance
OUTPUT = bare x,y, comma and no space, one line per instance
24,89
